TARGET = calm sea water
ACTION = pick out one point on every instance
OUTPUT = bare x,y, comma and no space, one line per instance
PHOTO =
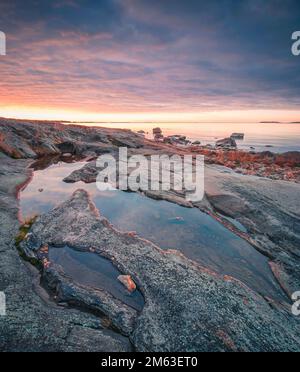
273,137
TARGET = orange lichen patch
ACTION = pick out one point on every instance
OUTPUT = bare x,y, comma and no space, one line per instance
127,282
132,234
226,339
265,164
228,278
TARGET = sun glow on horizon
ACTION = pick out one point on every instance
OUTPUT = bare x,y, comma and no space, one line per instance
237,116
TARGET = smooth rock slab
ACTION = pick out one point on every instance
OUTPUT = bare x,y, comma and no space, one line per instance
187,307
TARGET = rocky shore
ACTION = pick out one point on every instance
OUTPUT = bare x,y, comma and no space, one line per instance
180,296
187,307
264,164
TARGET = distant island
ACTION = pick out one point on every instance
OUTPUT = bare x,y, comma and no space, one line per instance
278,122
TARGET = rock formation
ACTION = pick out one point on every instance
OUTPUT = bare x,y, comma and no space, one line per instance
187,307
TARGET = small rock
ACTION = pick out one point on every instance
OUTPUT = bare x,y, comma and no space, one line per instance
127,282
41,190
28,236
238,136
158,137
226,143
46,263
157,131
132,234
177,220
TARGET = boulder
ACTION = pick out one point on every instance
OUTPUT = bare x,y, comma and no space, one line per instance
226,143
157,131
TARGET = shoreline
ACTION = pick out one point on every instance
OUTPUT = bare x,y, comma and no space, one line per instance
240,196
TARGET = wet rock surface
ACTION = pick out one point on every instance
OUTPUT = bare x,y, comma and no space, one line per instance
33,322
187,307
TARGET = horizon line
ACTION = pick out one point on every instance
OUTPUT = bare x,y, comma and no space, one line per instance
150,122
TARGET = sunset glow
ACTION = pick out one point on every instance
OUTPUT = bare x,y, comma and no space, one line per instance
149,179
149,61
254,116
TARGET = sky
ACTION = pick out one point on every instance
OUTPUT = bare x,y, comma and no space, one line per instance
142,60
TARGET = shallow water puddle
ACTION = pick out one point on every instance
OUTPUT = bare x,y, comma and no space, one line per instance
195,234
90,269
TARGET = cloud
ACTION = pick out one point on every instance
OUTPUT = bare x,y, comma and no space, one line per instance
150,55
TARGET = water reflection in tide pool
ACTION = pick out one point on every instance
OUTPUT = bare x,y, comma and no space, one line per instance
94,271
170,226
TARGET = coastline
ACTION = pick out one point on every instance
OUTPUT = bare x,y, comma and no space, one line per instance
240,196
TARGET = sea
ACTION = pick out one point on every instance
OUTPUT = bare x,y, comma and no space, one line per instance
275,137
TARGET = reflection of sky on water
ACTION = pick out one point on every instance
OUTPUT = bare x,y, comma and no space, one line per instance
94,271
196,234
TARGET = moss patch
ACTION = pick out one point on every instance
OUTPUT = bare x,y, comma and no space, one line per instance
23,231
